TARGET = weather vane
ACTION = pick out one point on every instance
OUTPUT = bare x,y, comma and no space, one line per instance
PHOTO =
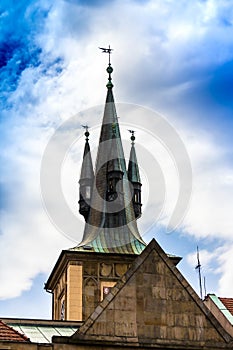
86,132
109,51
131,132
86,127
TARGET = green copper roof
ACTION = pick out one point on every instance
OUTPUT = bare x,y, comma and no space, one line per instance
108,242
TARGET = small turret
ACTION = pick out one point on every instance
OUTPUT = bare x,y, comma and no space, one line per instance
86,180
134,178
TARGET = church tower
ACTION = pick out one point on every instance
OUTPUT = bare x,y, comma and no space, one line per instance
115,201
110,202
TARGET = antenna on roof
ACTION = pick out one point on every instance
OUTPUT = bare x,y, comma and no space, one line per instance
198,268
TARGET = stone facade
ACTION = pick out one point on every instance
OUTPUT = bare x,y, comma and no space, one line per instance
80,281
151,306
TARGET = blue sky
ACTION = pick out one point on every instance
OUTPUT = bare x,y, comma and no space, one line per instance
172,57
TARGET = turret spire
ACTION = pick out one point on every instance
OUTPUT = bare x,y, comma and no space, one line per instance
134,177
86,178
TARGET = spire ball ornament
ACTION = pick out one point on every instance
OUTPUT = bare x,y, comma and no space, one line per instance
109,69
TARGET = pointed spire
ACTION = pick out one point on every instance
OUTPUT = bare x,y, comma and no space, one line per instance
111,225
134,178
133,169
86,179
87,167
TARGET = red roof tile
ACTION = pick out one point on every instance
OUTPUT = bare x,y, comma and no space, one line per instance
9,334
228,303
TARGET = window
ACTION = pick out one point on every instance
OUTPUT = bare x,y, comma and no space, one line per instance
106,290
62,315
88,192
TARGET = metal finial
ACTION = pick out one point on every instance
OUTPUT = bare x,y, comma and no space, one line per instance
86,127
132,135
109,69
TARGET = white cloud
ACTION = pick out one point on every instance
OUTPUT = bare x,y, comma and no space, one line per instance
211,205
160,52
225,259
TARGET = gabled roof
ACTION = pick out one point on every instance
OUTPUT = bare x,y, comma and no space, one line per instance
153,305
225,305
41,331
7,333
228,303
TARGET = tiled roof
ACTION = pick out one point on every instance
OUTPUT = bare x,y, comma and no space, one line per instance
9,334
225,305
228,303
41,331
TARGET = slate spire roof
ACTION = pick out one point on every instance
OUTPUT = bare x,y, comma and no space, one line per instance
111,227
133,169
87,167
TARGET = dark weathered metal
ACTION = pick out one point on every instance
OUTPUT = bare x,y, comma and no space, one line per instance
134,178
111,225
86,179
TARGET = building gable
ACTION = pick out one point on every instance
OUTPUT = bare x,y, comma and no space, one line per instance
154,305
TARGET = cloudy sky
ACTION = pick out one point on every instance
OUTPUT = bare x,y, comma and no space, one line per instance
170,57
